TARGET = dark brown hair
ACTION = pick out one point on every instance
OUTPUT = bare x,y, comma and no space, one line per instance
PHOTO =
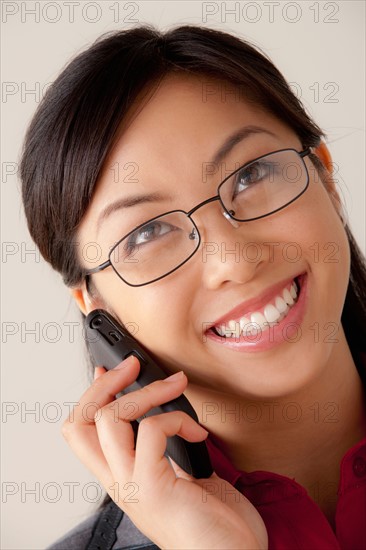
78,119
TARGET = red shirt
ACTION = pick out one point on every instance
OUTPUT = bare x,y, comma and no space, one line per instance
293,519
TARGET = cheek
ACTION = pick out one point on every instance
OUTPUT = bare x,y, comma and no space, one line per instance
326,237
313,222
318,231
150,313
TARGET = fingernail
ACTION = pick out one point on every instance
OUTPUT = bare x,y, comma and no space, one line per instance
98,371
203,429
125,363
174,377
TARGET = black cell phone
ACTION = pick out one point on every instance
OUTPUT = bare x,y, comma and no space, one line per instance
110,343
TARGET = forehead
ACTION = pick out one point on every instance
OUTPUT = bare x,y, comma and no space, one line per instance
174,129
185,111
184,115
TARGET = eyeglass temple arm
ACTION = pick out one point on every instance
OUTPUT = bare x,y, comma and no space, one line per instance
305,152
98,268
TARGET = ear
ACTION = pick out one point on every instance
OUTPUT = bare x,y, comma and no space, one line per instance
83,299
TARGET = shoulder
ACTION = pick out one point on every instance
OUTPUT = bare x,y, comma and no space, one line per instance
124,535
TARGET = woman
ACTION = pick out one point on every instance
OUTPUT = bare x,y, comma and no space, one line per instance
257,295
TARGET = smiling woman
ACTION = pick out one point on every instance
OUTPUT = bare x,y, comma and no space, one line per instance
186,158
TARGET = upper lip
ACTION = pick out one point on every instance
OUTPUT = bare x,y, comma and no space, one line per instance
254,304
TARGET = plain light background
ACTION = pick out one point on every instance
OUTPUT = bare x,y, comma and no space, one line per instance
318,46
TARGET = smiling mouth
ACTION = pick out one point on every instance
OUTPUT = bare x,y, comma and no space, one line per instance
261,320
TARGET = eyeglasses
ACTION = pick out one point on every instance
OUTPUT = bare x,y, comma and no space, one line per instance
162,244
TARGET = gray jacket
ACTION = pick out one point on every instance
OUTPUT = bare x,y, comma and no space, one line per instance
109,529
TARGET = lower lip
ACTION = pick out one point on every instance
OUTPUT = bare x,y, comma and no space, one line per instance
288,330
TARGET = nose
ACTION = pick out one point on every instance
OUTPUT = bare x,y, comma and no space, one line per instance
226,253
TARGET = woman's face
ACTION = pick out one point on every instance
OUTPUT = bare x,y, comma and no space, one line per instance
165,149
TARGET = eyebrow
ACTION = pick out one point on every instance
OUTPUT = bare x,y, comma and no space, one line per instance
221,153
131,201
235,138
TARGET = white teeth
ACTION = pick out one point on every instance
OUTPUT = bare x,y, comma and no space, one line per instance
293,290
287,297
233,328
280,304
271,313
220,331
232,325
261,320
244,322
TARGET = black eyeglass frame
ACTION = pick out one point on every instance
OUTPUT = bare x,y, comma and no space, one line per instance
216,197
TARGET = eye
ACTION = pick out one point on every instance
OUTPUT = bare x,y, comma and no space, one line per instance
253,173
148,233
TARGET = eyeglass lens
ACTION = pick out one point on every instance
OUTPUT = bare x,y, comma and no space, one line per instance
162,244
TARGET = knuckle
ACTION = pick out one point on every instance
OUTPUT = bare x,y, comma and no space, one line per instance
97,416
67,429
149,423
152,393
103,413
99,382
111,408
128,409
109,413
148,390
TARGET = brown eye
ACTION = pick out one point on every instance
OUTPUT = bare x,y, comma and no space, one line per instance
149,232
255,173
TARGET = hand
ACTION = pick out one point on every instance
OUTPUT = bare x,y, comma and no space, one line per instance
169,506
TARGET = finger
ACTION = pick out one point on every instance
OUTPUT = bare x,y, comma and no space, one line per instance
113,424
86,446
137,403
179,472
79,429
98,371
152,439
103,390
93,433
